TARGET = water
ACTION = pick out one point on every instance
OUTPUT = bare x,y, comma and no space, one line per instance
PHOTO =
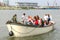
6,15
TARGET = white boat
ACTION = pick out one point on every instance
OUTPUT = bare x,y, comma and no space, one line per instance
20,30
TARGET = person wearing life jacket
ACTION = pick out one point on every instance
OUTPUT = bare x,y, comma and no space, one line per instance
35,21
40,21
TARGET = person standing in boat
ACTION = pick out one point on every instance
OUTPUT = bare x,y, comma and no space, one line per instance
24,18
14,19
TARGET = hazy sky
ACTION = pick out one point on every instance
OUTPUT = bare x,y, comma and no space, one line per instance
40,2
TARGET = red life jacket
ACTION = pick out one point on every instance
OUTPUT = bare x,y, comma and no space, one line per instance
36,22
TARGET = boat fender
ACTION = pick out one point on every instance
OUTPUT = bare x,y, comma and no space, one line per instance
11,33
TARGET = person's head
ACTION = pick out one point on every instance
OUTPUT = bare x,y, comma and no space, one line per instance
37,17
48,15
24,14
15,15
29,17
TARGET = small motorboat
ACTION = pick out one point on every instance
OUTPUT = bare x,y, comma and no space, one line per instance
20,30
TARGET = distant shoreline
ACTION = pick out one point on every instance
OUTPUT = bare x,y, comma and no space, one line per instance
22,8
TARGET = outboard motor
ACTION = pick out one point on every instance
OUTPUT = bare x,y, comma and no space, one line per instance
11,33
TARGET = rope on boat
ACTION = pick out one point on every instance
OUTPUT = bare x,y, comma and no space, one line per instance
21,32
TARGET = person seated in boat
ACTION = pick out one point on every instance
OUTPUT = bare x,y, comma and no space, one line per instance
39,20
30,20
14,19
24,18
49,18
45,19
35,21
42,22
45,23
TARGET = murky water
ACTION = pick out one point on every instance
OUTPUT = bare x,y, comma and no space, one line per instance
6,15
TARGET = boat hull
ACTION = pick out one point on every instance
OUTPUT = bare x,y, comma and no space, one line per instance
22,31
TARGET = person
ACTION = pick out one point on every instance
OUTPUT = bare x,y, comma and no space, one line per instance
24,18
45,23
35,21
49,18
42,22
30,20
45,19
39,20
14,19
